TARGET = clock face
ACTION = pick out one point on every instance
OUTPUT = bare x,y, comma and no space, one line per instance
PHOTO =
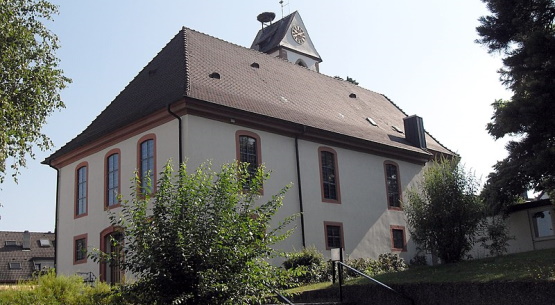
298,34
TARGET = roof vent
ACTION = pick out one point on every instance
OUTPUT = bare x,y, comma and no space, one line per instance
255,65
26,241
352,95
214,75
371,121
415,133
396,129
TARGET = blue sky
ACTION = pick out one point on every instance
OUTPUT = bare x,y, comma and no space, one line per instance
421,54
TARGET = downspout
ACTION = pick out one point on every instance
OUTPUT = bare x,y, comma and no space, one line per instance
56,217
180,131
300,186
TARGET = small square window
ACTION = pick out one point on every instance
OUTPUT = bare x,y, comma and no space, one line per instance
15,266
80,250
334,235
398,238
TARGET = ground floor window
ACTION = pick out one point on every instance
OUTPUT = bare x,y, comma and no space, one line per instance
334,235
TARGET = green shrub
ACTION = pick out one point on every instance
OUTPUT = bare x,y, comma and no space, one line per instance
59,290
308,266
387,262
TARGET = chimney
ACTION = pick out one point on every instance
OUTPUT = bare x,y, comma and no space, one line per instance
414,131
26,241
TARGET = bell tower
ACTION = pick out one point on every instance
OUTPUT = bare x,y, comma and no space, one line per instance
288,39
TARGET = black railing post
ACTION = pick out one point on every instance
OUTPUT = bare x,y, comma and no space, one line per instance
332,272
340,270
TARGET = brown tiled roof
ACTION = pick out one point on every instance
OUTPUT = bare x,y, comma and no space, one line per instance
16,254
276,89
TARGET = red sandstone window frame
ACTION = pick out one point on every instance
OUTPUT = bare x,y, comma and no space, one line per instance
84,237
78,194
337,200
140,142
391,205
393,245
109,154
341,236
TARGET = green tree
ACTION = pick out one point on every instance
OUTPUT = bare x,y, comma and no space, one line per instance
30,80
202,238
444,211
349,79
523,32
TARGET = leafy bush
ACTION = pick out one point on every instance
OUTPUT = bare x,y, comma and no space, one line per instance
59,290
308,266
496,235
203,237
387,262
418,260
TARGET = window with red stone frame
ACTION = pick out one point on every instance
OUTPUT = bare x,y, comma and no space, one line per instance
329,175
398,239
80,249
392,185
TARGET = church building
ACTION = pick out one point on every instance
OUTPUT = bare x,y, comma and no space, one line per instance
349,152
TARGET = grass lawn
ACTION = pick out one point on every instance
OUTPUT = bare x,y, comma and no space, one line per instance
529,266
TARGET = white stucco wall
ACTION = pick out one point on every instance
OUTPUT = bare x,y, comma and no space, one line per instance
97,219
363,211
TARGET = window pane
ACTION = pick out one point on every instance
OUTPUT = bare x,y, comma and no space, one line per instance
81,190
112,182
334,236
392,185
147,164
248,153
543,223
80,249
328,175
398,239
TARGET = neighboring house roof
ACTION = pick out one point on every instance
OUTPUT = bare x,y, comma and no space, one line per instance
201,71
529,205
25,255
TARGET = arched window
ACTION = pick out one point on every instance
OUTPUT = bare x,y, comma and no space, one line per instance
81,185
248,149
147,163
392,185
329,175
111,242
301,63
112,178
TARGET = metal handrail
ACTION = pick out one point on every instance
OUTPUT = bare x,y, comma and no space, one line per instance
375,281
283,298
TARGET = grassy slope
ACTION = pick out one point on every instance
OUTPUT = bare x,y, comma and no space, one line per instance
528,266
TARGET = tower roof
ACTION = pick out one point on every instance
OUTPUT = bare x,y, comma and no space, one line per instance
275,36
